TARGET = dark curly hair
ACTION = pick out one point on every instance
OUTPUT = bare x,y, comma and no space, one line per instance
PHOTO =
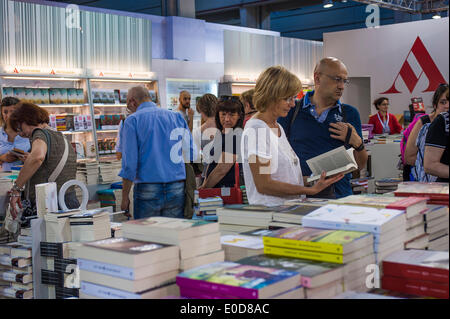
28,113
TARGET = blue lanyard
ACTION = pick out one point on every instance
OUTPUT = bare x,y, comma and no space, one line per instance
384,124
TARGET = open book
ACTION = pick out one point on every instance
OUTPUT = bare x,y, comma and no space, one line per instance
333,162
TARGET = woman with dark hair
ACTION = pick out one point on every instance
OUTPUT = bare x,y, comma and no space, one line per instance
225,148
9,139
383,121
415,147
52,159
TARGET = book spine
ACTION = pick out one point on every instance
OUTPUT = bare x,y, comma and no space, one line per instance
239,292
106,292
300,244
106,269
199,294
415,287
312,223
303,254
415,272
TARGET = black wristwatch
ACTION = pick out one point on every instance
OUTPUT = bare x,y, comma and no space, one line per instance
360,148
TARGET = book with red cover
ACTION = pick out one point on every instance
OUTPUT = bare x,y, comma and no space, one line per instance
415,287
434,191
425,265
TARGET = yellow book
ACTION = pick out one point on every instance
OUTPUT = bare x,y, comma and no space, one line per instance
303,254
320,240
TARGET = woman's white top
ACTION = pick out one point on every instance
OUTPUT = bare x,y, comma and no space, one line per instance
260,140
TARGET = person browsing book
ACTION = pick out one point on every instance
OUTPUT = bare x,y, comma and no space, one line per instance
272,169
436,157
151,158
320,123
415,146
9,139
52,159
384,122
224,151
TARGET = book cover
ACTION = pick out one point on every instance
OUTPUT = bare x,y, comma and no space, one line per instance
304,254
418,264
237,280
354,218
313,239
295,212
309,270
435,191
249,242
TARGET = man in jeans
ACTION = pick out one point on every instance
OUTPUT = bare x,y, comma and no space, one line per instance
152,157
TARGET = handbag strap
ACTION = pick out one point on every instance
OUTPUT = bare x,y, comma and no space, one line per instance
61,163
236,175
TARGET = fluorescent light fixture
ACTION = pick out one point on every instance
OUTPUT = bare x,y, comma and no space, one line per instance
437,15
328,4
39,78
116,80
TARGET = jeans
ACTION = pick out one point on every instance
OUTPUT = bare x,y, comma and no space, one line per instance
159,199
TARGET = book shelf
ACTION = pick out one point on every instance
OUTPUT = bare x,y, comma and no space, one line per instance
87,110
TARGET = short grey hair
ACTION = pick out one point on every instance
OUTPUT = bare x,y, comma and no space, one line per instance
140,93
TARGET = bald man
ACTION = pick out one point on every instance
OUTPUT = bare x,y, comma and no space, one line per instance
320,123
151,157
184,108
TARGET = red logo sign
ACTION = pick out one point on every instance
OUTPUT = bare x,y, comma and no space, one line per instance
15,70
53,72
428,66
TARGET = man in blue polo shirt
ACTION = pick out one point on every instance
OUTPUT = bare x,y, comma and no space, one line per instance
153,157
320,123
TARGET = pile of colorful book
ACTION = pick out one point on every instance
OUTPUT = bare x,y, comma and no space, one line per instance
417,272
352,248
16,273
206,208
119,268
388,226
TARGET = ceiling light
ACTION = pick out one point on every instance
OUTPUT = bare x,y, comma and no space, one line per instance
437,15
328,4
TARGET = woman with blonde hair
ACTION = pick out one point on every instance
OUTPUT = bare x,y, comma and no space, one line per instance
272,170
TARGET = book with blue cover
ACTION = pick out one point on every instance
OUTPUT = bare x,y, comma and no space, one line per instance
355,218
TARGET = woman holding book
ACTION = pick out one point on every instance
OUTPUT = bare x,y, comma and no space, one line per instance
225,147
415,147
272,170
52,159
9,139
384,122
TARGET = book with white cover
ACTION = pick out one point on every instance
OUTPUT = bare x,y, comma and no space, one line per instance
333,162
354,218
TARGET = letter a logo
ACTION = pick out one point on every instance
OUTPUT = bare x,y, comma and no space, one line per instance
428,67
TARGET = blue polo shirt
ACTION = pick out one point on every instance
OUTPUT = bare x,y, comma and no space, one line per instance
309,135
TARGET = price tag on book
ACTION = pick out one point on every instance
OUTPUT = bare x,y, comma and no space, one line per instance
225,191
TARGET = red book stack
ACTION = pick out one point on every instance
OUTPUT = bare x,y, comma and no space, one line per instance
437,193
417,272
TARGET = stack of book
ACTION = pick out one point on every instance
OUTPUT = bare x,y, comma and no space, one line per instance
120,268
206,208
387,185
228,280
244,195
436,227
25,237
414,207
289,216
16,274
90,225
57,226
109,171
315,277
240,246
240,218
353,248
437,193
59,272
198,241
87,171
417,272
388,226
